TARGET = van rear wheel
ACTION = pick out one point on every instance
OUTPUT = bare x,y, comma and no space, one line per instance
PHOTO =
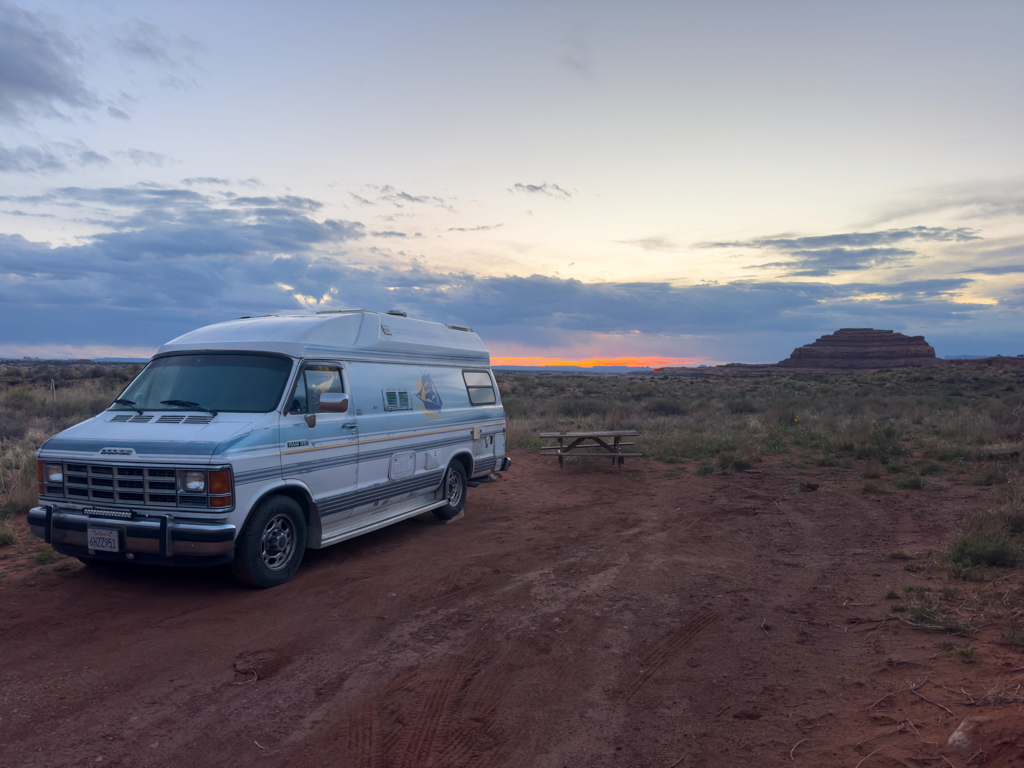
270,547
454,489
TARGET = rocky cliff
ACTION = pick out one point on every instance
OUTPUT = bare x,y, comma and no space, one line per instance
863,348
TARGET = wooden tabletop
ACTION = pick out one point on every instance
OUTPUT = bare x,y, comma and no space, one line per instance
613,433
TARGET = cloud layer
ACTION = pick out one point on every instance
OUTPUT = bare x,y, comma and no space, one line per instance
173,258
821,256
38,68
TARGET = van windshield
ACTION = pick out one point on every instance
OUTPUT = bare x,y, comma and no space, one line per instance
215,382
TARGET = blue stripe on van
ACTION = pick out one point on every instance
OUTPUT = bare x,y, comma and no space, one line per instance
332,505
164,447
485,465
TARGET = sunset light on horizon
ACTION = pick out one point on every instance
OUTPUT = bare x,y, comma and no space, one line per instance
593,362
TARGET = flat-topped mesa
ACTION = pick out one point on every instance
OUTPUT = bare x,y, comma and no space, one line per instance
863,348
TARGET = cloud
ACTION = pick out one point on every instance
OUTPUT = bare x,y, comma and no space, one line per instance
143,157
388,233
480,228
988,200
551,190
38,67
399,198
823,255
120,114
1004,269
146,42
652,244
205,180
48,158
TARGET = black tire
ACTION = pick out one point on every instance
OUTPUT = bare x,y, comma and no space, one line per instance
454,488
270,547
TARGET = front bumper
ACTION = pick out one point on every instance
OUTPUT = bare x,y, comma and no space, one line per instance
504,465
162,540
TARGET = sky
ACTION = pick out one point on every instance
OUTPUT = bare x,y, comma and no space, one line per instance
641,182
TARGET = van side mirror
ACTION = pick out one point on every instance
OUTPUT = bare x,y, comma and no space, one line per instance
334,403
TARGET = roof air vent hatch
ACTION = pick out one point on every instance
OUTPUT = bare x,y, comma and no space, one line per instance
398,313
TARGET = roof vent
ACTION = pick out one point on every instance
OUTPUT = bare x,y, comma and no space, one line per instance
398,313
459,328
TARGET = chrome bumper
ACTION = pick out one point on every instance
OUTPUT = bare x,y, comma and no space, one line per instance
163,537
505,464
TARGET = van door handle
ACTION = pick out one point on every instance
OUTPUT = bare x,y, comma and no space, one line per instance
350,425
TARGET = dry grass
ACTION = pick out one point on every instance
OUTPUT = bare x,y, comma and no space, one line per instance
36,402
959,413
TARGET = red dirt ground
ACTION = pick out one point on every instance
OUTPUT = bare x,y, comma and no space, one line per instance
584,617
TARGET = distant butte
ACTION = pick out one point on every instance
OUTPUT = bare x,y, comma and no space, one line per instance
862,349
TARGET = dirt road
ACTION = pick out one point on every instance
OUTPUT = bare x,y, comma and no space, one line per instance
585,617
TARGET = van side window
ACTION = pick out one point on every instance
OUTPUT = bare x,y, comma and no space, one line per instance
315,380
480,387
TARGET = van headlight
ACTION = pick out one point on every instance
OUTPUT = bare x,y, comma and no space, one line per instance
54,473
192,481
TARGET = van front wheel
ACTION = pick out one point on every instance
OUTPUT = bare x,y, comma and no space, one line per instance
454,489
270,547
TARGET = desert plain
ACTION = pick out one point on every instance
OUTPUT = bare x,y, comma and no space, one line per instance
804,569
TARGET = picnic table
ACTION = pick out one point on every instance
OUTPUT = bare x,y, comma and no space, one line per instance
589,444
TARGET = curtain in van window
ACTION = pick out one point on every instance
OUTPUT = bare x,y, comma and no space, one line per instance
480,387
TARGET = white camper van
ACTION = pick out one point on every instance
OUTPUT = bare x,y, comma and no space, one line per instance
250,441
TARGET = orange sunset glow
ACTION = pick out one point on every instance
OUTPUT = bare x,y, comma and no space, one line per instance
590,362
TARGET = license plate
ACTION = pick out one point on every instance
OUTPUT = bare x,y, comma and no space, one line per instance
103,540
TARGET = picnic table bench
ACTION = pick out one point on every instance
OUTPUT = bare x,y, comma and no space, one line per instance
589,444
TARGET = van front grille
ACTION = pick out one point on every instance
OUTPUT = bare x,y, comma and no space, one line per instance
129,485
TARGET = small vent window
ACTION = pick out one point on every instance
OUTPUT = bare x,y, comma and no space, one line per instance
480,387
397,400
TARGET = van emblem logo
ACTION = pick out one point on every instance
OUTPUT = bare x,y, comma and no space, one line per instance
427,393
117,451
298,443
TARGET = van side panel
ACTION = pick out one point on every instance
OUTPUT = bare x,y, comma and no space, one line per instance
413,420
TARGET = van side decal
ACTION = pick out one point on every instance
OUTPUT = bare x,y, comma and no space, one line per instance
428,395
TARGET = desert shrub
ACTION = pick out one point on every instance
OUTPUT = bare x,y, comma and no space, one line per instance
978,548
884,441
8,533
910,481
742,406
665,406
874,486
522,433
47,555
872,469
624,417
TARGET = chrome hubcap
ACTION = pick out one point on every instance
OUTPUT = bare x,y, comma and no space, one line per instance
278,542
453,488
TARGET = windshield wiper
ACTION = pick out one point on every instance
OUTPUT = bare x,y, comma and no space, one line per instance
188,404
130,403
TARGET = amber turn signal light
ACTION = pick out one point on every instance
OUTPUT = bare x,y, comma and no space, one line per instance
39,466
220,501
220,482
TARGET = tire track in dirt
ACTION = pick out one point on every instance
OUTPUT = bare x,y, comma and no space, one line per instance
668,646
364,738
428,727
